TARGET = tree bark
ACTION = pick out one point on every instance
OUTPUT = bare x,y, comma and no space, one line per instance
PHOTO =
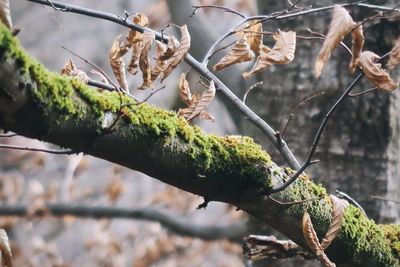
43,105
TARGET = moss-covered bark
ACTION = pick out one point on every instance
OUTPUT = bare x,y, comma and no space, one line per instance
46,106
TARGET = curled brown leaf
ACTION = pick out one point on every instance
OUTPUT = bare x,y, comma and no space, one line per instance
179,54
172,45
341,25
254,36
374,71
282,53
184,90
70,70
144,60
394,58
117,64
160,64
133,65
239,53
5,15
338,208
357,44
134,36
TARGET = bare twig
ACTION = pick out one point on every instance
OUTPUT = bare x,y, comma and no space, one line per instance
351,94
323,37
226,9
221,48
150,95
294,111
345,196
233,232
386,199
254,86
51,151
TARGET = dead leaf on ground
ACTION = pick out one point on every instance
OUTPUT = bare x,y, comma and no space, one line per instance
338,208
374,71
179,54
282,53
117,64
198,104
5,15
6,255
341,25
144,60
357,44
394,58
239,53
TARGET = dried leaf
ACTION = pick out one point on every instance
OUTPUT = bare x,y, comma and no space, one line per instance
341,25
68,68
144,61
134,61
134,36
254,36
179,54
374,72
240,52
5,249
357,44
184,90
171,48
198,104
339,206
282,53
311,238
5,15
117,64
204,115
160,64
394,58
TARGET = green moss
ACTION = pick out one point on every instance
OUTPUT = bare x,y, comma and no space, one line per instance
392,233
365,238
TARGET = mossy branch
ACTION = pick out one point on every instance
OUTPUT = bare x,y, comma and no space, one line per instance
43,105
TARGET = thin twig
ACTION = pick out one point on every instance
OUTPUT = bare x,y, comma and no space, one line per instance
323,36
345,196
200,68
386,199
351,94
226,9
150,95
254,86
294,111
319,133
221,48
51,151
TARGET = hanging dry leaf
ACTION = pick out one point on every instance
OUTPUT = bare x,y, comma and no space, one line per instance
341,25
374,71
357,44
338,208
160,64
204,115
394,58
134,61
144,61
282,53
311,238
134,36
171,48
117,64
180,52
5,15
6,255
70,70
254,36
239,53
198,104
184,90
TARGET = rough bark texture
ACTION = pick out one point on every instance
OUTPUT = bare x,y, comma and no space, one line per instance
46,106
359,152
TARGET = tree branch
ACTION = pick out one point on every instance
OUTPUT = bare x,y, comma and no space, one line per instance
39,104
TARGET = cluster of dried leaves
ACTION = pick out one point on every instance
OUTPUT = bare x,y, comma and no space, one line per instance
311,238
250,44
343,24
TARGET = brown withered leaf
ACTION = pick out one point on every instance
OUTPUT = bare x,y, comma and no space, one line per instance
184,90
341,25
144,60
254,36
160,64
204,115
357,44
374,71
70,70
311,238
133,65
199,103
134,36
117,64
5,249
394,58
338,208
282,53
5,15
171,48
180,53
239,53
